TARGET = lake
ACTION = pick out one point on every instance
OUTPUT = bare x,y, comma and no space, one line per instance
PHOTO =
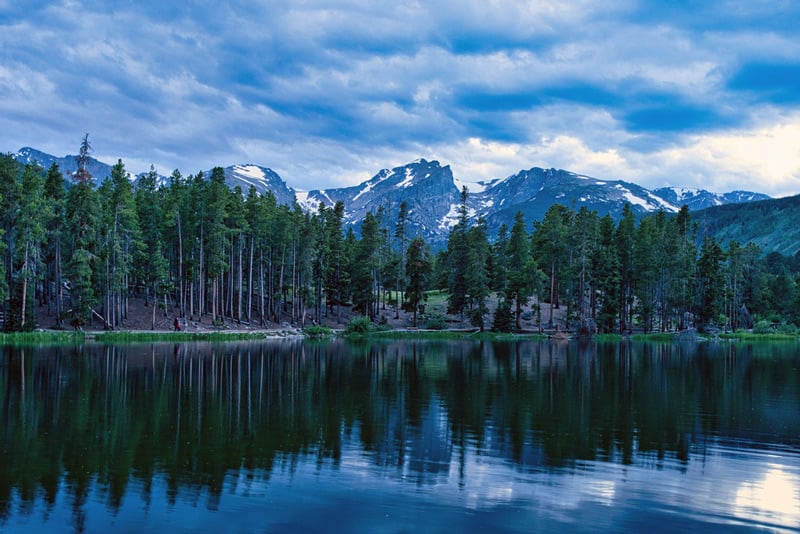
400,436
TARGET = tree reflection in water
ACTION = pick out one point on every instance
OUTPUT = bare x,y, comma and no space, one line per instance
93,416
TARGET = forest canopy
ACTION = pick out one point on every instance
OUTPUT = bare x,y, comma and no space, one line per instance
82,248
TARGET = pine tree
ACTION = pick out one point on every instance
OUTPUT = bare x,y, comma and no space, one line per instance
55,195
549,248
82,220
30,228
520,268
10,172
710,283
477,273
418,269
503,317
335,282
400,235
625,241
605,266
458,260
215,236
365,266
152,265
122,242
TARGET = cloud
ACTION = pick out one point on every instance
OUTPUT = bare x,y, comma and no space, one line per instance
327,93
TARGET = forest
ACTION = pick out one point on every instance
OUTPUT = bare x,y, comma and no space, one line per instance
81,249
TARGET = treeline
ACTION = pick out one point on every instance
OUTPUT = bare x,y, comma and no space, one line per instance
197,249
616,276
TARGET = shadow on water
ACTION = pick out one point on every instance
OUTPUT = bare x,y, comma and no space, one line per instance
80,422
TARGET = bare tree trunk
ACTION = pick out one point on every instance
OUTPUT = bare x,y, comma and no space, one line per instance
239,284
24,287
250,281
181,287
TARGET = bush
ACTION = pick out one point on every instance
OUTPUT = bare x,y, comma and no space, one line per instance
317,331
786,328
762,327
359,326
435,322
503,318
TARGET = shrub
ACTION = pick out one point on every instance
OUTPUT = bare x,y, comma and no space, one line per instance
503,318
317,331
435,322
762,327
786,328
359,326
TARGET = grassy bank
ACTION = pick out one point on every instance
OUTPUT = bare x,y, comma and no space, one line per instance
443,334
136,336
41,338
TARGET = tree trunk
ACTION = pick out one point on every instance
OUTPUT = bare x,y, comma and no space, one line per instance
24,287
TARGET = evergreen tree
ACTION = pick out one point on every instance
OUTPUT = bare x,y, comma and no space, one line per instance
710,283
550,247
10,172
503,317
499,270
336,279
646,270
477,272
55,195
457,260
625,244
400,236
365,266
520,268
122,242
82,220
30,229
418,268
152,266
605,266
214,235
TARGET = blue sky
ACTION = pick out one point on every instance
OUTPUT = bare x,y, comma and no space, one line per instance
326,93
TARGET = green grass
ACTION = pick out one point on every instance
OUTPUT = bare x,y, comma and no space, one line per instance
318,332
133,336
449,334
40,338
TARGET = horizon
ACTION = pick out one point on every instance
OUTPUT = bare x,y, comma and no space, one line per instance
480,185
327,93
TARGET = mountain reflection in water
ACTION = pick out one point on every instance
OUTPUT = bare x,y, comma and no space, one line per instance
289,435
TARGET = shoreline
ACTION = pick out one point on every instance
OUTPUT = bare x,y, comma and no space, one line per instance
46,336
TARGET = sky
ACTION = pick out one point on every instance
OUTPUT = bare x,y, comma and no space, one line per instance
326,93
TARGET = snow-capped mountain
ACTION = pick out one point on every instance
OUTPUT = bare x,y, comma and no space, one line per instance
427,188
534,190
697,199
432,194
68,165
262,179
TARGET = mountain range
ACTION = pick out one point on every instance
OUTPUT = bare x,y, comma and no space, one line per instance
432,194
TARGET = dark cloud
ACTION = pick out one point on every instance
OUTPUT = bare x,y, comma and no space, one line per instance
335,83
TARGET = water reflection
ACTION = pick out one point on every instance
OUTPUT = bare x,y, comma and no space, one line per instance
533,425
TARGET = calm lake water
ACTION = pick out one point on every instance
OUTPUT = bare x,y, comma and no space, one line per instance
292,436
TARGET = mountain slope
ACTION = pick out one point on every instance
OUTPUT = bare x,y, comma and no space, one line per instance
697,199
262,179
533,191
427,188
432,196
67,165
771,224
